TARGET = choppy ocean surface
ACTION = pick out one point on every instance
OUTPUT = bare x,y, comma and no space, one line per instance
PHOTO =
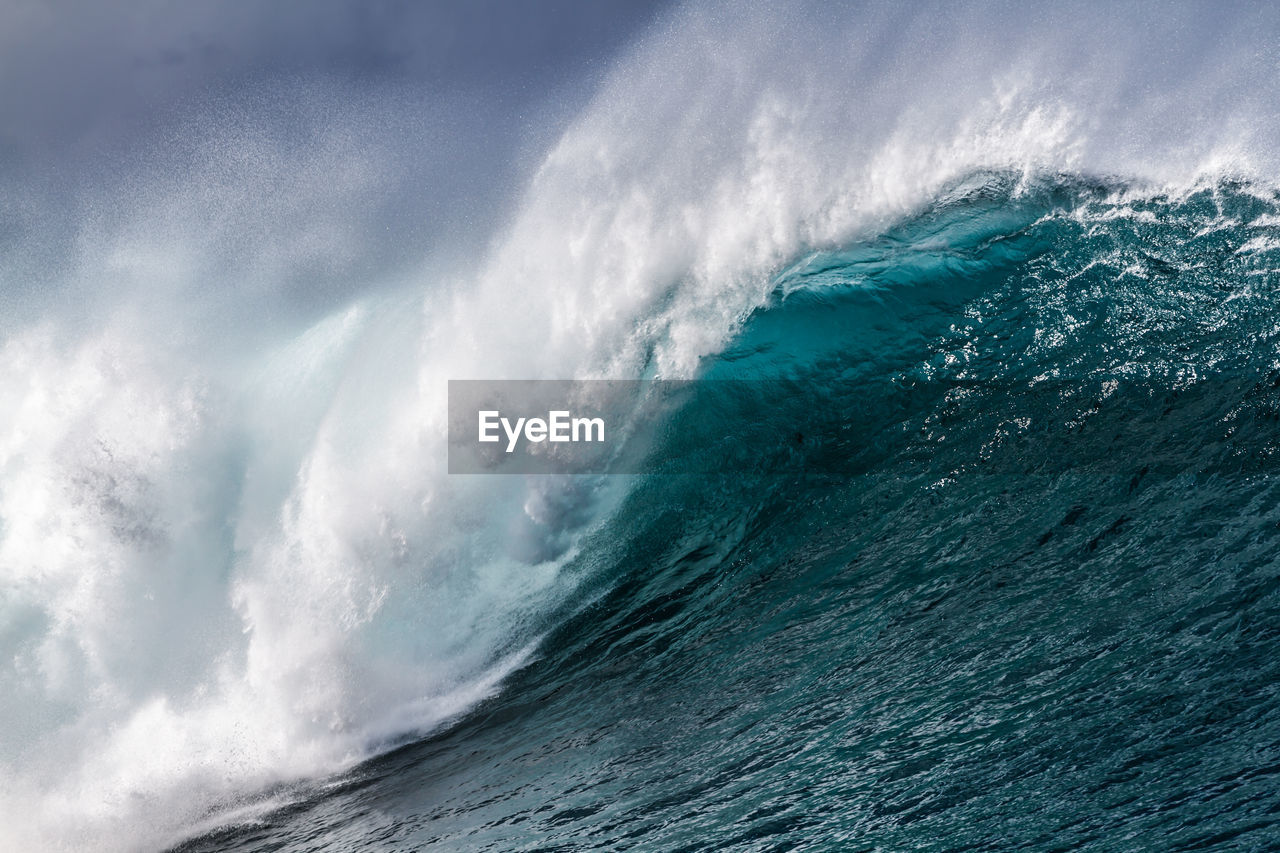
1001,569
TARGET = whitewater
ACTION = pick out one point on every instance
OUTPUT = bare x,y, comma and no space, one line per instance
236,570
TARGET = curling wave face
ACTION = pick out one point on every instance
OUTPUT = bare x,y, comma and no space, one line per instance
1037,607
234,562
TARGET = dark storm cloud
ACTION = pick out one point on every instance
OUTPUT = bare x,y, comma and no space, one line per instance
77,69
399,128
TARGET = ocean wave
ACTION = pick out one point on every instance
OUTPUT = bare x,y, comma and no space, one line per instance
234,563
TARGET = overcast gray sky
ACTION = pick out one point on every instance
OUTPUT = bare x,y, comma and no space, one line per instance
71,69
122,117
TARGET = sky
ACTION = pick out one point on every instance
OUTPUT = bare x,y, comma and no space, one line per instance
85,72
131,123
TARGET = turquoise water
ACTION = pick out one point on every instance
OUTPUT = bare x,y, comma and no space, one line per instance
1023,595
